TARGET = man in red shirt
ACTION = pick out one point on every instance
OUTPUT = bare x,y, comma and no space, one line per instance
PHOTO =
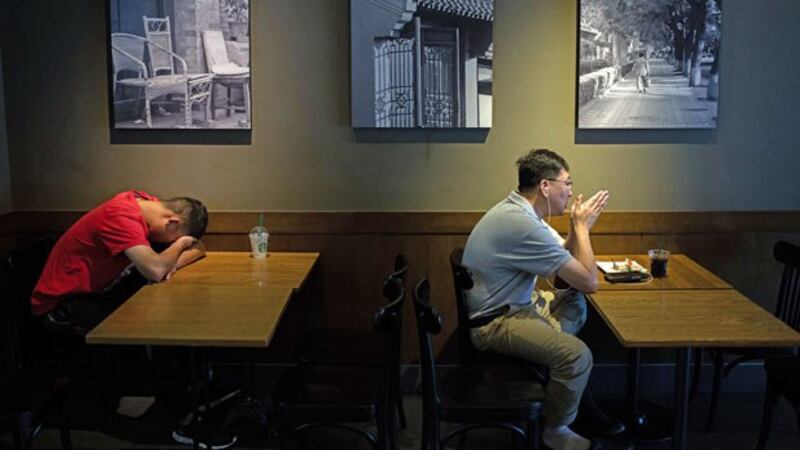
86,275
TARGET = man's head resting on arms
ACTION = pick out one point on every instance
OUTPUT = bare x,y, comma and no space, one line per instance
178,216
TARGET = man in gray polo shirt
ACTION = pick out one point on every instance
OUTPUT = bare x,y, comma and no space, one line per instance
507,250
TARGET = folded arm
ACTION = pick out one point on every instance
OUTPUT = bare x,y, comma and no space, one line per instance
156,266
191,254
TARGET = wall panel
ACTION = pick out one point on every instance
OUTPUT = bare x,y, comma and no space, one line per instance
358,250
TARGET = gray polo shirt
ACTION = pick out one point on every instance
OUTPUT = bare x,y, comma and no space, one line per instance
508,248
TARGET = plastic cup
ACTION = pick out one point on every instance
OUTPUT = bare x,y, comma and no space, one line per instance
658,262
259,241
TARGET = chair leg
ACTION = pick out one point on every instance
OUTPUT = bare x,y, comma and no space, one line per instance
384,421
401,411
187,108
797,415
712,409
698,368
228,102
147,113
517,442
247,106
532,435
63,424
766,418
462,440
211,100
19,439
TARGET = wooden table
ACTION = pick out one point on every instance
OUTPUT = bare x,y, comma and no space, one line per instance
682,273
227,299
223,300
690,307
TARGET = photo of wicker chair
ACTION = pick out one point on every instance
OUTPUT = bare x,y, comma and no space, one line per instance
128,57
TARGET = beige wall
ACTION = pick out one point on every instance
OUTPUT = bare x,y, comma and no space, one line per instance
304,155
5,176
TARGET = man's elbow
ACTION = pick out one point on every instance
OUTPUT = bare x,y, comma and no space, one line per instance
153,273
591,287
588,286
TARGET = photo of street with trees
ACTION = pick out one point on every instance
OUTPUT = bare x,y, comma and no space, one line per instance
648,63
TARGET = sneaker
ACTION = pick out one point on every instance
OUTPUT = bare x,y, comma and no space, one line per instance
216,440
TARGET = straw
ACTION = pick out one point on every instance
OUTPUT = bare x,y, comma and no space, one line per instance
261,219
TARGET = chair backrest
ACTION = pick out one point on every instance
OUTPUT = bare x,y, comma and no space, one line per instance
25,264
390,293
217,59
429,322
788,307
214,46
127,54
462,282
387,321
159,37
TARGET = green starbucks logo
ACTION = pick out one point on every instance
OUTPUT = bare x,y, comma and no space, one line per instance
262,247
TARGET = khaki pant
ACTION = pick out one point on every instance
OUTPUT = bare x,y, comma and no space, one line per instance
544,333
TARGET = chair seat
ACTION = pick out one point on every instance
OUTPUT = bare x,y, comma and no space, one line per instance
21,393
759,352
346,347
229,69
160,85
537,371
328,393
489,392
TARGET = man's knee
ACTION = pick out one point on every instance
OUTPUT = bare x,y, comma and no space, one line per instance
573,357
571,311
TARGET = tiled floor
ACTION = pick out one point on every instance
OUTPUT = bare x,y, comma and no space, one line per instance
737,428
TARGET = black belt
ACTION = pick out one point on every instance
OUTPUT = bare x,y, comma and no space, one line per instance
487,318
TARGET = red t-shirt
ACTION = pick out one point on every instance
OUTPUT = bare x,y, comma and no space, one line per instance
89,257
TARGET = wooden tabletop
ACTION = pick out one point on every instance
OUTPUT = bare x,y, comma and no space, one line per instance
691,307
682,273
691,318
227,299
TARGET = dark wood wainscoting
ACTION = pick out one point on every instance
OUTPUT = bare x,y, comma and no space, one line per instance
358,249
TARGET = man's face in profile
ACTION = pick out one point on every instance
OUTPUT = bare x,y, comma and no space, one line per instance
560,192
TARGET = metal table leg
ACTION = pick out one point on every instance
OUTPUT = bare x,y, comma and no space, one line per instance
645,422
681,397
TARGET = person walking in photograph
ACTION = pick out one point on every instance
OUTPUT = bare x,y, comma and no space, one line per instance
641,70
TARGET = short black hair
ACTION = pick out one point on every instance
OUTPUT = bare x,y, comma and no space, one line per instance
193,213
539,164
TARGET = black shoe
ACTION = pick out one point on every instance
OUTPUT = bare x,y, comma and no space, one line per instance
30,427
597,445
210,440
594,420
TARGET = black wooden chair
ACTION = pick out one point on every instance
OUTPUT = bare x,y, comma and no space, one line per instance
783,380
787,309
467,353
332,346
471,396
312,396
29,393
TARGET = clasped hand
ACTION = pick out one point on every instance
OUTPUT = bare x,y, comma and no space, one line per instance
587,212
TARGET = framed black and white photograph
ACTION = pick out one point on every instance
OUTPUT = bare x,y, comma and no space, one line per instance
179,64
421,63
648,64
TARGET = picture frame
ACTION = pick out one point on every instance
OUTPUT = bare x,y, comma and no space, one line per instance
421,66
179,72
648,64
